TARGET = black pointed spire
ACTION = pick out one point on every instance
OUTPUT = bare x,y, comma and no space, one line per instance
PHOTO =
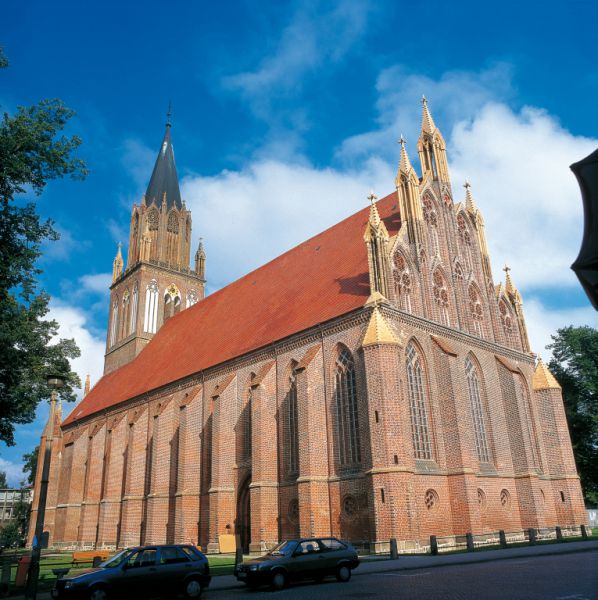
164,178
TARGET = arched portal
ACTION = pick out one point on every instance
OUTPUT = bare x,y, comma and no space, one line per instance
244,515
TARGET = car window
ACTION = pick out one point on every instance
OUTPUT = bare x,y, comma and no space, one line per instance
115,560
191,552
308,547
284,548
142,558
332,544
172,555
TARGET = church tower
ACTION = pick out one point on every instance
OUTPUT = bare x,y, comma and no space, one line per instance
157,282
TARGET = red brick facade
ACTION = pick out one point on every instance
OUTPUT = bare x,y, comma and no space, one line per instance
420,411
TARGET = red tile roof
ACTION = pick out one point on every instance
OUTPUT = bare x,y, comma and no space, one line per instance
322,278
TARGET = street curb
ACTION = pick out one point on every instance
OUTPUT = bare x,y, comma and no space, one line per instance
476,560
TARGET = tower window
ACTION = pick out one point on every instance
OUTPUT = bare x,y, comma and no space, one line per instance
150,319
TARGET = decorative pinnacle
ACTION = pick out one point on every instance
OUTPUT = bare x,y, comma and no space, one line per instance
469,203
467,185
404,164
169,114
428,125
374,215
372,197
506,269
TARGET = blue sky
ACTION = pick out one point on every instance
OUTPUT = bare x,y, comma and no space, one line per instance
285,114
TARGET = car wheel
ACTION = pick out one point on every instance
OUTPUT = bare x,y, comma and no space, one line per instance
193,589
278,581
343,573
98,593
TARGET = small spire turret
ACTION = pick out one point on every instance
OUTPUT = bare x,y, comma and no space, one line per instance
431,147
376,238
117,264
517,302
428,124
200,260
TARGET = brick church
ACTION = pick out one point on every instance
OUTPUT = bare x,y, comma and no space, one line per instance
373,382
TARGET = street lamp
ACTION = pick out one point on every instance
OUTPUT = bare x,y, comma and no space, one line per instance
55,382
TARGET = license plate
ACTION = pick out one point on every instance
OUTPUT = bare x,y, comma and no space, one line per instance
241,575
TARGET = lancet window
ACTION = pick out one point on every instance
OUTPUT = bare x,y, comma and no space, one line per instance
172,302
506,320
292,425
441,297
530,423
134,308
192,298
114,323
345,395
477,410
126,315
465,238
422,446
150,320
403,283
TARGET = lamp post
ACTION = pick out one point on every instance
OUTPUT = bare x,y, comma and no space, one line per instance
55,382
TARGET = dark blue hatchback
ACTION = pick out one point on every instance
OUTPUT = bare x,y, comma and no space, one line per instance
142,572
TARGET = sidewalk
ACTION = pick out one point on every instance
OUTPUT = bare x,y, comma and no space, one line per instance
407,563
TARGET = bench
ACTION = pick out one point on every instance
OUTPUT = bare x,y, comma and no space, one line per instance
87,556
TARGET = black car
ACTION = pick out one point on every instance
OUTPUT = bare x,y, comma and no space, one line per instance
142,572
307,558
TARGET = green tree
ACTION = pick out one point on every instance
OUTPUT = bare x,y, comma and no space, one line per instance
575,366
3,482
30,466
10,534
32,152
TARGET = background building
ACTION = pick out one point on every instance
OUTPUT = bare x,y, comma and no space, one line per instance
372,382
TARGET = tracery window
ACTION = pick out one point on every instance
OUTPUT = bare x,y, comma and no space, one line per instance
153,219
150,319
431,219
172,302
477,410
125,314
293,425
402,281
459,271
441,297
345,396
422,446
476,311
173,223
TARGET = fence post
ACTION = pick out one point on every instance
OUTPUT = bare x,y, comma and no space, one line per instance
559,534
394,553
433,545
469,542
503,538
584,532
532,536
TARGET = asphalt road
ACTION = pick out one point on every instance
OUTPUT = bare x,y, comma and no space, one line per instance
565,577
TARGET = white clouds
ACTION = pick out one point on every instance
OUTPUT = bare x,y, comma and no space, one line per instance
313,38
73,323
14,472
270,207
98,283
518,165
543,322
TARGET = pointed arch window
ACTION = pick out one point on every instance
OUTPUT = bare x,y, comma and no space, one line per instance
422,446
150,319
529,420
192,298
431,218
172,302
465,237
476,311
506,320
114,323
477,410
441,297
134,308
345,395
403,283
292,425
126,315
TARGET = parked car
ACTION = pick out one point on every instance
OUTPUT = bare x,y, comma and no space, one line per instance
306,558
142,572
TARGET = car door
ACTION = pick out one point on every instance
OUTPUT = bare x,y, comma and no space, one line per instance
140,574
306,561
173,567
332,551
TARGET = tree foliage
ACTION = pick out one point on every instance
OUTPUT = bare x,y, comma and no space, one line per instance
575,366
30,466
3,482
32,152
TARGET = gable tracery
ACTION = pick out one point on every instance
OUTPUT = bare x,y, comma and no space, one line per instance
441,296
431,218
403,282
476,311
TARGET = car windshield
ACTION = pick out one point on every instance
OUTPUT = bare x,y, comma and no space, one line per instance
283,549
115,560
